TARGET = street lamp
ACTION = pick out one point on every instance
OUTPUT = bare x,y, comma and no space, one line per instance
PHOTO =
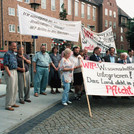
35,6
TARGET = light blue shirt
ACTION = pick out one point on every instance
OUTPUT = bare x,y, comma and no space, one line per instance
42,59
112,59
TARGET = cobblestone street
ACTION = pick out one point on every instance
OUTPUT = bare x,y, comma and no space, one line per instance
110,116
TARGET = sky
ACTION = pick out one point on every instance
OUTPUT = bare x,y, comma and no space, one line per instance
127,6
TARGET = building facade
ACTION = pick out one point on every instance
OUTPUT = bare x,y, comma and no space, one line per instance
95,14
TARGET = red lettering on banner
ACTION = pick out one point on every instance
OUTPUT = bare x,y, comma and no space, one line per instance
117,90
89,65
90,47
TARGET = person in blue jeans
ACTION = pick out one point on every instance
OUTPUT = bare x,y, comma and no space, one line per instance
41,63
66,68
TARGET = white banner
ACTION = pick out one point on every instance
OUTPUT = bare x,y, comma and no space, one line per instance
108,79
90,39
33,23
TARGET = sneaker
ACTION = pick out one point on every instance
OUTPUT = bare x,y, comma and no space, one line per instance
69,102
65,104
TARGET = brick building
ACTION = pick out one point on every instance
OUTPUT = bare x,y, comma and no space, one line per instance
96,14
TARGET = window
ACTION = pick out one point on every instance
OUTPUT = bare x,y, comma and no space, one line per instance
122,38
114,14
19,0
69,7
88,11
110,12
110,23
61,3
43,4
93,29
122,46
53,5
106,23
27,1
18,29
114,36
76,7
11,28
106,11
88,26
94,13
11,11
82,9
121,30
114,25
44,44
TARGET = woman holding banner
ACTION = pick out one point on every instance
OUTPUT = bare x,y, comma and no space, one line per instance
66,68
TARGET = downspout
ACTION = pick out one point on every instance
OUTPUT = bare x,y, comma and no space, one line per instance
2,24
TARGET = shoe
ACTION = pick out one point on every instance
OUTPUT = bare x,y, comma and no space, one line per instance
52,92
69,102
65,104
22,102
15,105
28,101
36,94
10,108
70,91
43,93
57,91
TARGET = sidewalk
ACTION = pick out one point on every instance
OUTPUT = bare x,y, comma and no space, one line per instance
12,119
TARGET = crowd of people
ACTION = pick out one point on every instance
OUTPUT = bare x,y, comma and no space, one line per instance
51,69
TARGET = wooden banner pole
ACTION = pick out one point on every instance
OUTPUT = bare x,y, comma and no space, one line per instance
23,61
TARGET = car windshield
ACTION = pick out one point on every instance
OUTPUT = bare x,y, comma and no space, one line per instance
2,54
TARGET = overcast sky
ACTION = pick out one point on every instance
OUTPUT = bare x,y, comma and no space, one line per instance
127,6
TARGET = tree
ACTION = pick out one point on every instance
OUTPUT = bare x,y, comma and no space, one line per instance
63,13
130,33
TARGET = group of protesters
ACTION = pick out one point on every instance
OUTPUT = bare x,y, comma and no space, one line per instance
53,69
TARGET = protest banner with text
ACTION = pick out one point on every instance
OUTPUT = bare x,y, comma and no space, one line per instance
108,79
33,23
90,39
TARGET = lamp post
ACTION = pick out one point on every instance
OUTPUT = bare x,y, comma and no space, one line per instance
34,5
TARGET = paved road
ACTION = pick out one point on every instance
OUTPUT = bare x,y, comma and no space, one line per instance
110,116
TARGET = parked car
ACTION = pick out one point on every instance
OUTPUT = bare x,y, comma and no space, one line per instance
2,52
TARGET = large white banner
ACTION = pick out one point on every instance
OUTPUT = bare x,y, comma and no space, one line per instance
108,79
33,23
90,39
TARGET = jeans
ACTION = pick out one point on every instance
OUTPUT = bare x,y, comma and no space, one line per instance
41,79
66,91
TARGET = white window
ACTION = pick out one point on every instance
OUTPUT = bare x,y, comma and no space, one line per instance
94,13
106,23
11,28
114,14
27,1
11,11
114,25
114,35
121,30
18,29
122,38
88,11
19,0
44,44
106,11
110,12
76,7
61,4
53,5
69,7
82,9
110,23
43,4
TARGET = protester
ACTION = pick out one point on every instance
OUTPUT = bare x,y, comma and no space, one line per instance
111,57
86,57
130,55
96,55
54,76
66,68
77,74
22,88
124,58
41,63
107,52
11,78
82,53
